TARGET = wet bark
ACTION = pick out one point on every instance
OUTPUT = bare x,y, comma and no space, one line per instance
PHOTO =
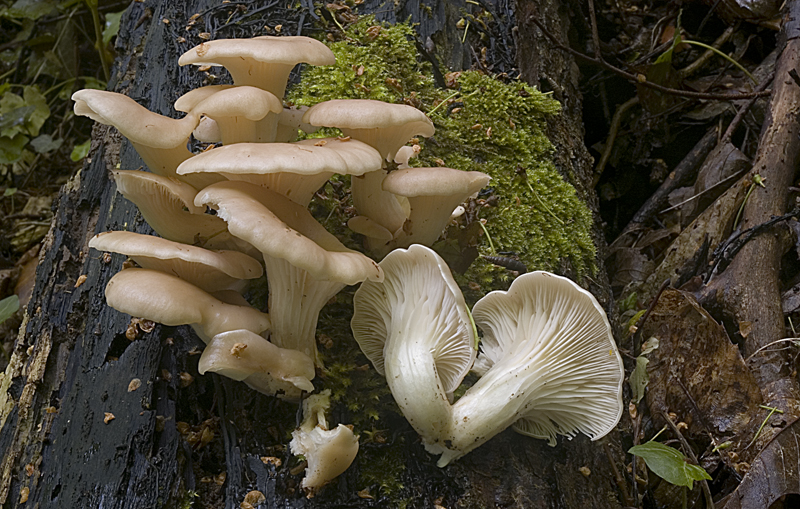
74,432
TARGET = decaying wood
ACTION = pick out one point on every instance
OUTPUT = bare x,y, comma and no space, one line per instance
749,289
74,430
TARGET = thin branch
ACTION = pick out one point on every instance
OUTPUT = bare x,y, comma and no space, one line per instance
642,80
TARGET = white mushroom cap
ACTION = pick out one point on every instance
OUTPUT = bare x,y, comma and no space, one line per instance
168,207
264,62
295,170
159,140
245,356
210,271
549,364
306,265
170,300
290,121
243,114
415,328
328,452
384,126
432,194
369,228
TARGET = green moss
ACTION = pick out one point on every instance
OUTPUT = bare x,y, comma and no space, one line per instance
484,124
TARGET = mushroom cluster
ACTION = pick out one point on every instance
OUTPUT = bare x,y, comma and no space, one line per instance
549,364
228,214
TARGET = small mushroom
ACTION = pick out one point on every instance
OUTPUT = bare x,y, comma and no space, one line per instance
433,194
328,452
242,114
244,355
211,271
170,300
264,62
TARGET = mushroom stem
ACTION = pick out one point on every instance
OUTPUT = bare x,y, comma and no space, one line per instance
295,300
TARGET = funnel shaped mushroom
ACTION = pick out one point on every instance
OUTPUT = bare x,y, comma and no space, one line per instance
306,265
549,364
170,300
245,356
168,207
328,452
264,62
433,194
159,140
295,170
415,328
384,126
243,114
211,271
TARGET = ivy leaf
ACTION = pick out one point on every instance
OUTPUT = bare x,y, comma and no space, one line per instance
11,148
41,111
639,378
31,9
669,464
80,151
8,307
45,143
112,25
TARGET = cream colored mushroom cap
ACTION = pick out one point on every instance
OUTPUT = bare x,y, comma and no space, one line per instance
283,229
413,182
307,157
209,270
559,329
385,126
133,120
249,102
328,452
289,50
193,97
169,300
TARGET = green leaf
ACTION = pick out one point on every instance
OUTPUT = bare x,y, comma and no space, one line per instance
80,151
10,191
31,9
41,111
112,25
628,302
669,464
8,307
13,122
45,143
11,148
650,345
639,378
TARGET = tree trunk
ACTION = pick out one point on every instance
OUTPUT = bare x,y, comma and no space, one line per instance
76,432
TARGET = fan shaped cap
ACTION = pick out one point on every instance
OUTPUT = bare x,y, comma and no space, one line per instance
550,329
209,270
170,300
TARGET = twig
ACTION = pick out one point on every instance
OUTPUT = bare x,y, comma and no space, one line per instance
740,114
612,134
791,340
690,453
621,486
704,191
637,336
702,59
642,80
595,35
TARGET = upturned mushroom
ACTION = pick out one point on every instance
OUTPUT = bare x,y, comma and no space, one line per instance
211,271
295,170
245,356
433,194
306,266
416,330
264,62
169,300
549,366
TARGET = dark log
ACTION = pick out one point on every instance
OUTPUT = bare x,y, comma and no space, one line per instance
72,432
